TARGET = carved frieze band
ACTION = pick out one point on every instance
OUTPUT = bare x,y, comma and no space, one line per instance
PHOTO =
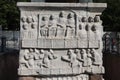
60,43
61,25
73,61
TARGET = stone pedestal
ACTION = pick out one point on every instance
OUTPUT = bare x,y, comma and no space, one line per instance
61,41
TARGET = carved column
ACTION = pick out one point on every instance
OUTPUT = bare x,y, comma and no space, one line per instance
61,41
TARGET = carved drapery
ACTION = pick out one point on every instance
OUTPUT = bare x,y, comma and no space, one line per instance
61,40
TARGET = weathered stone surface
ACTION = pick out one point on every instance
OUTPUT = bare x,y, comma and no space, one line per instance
59,40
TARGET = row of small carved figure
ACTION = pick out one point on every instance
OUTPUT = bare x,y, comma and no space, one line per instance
29,21
83,58
70,32
30,56
77,57
60,22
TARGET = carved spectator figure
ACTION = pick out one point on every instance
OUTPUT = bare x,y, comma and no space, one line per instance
24,59
79,57
34,24
61,25
71,58
48,55
25,24
96,57
52,26
25,28
62,20
31,58
70,25
30,32
44,27
99,28
91,33
84,57
90,58
82,33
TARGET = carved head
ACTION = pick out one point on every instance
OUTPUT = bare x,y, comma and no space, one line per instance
34,25
83,51
69,52
94,28
97,18
25,26
51,51
90,19
34,18
23,19
84,19
44,18
61,14
31,50
79,18
42,51
70,15
92,51
76,51
29,19
52,17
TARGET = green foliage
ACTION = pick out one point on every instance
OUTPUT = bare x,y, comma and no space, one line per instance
111,15
9,14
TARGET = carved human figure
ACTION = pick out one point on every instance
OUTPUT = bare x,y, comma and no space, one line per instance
61,25
52,26
71,58
91,33
99,31
24,27
40,57
84,57
30,32
25,24
90,58
31,58
97,59
48,55
44,27
70,25
62,20
79,57
23,61
82,33
34,24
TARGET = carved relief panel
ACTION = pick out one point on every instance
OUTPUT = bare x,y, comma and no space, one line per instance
29,25
60,41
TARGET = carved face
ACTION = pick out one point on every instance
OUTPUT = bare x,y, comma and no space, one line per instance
34,25
61,14
97,19
93,28
84,19
23,19
44,18
70,15
34,18
52,17
76,51
41,51
90,19
29,19
31,50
